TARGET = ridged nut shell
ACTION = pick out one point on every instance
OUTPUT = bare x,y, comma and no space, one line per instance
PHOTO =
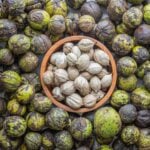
74,101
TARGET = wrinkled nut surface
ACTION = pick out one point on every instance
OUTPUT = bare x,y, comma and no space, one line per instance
67,48
95,84
83,62
68,88
101,57
89,100
57,94
74,101
86,45
48,77
73,73
82,85
94,68
61,75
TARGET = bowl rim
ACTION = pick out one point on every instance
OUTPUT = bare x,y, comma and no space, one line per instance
53,49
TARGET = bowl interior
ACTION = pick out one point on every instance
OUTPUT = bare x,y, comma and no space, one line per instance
56,47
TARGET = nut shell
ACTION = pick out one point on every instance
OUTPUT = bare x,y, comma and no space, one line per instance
74,101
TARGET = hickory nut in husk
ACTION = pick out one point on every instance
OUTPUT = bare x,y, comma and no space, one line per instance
38,19
80,128
119,98
17,123
132,17
35,121
142,34
57,25
116,9
40,44
72,23
128,113
130,134
7,142
33,79
47,140
91,8
143,118
144,139
19,44
105,30
147,80
57,7
6,57
102,126
122,44
64,140
140,54
25,93
86,23
127,83
15,7
126,66
7,29
75,3
11,80
33,140
14,108
2,106
41,103
140,97
147,13
28,62
57,119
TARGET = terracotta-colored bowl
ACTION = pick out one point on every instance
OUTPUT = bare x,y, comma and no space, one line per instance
56,47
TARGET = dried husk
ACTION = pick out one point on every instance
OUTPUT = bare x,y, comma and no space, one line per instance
95,84
89,101
74,101
61,75
86,45
57,25
73,73
86,23
94,68
67,48
86,75
101,57
75,50
57,94
91,8
71,59
68,88
72,26
106,81
83,62
82,85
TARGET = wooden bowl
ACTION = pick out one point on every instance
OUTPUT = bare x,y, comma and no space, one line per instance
56,47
